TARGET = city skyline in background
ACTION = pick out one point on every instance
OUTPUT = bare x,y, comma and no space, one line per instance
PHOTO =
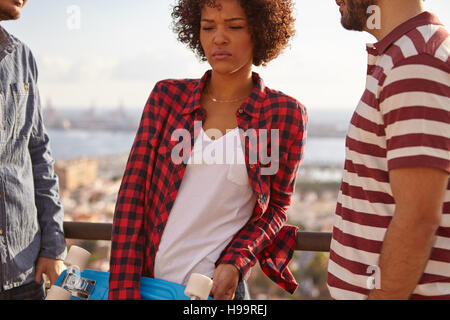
111,53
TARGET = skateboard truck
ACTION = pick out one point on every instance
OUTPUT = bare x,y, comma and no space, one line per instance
78,286
73,284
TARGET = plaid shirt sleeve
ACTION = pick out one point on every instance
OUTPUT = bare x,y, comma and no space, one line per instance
127,243
265,237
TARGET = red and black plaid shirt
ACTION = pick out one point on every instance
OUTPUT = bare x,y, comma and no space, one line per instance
151,182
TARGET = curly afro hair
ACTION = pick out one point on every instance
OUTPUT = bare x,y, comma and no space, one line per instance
271,25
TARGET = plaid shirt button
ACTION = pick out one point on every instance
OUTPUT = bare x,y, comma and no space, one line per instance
262,198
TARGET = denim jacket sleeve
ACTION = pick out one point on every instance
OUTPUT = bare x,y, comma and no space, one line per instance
49,207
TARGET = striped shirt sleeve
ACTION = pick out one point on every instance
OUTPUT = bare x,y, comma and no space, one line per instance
415,104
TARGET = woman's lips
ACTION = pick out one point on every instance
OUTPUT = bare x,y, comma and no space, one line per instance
221,54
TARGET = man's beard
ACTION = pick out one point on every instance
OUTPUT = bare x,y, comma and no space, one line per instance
10,12
356,16
6,15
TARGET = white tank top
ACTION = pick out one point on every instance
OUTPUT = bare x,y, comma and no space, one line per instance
214,202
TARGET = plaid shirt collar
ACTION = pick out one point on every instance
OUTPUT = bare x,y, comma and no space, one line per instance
252,106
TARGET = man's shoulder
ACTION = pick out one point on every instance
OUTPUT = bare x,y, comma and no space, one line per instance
434,40
20,53
14,40
428,43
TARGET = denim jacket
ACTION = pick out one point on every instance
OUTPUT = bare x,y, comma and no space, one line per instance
31,215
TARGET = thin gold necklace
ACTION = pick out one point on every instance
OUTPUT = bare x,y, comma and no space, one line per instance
224,101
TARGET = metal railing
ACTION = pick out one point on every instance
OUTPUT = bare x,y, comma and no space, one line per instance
306,241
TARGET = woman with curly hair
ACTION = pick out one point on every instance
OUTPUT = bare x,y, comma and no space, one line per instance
221,206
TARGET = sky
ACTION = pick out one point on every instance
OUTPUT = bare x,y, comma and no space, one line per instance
106,53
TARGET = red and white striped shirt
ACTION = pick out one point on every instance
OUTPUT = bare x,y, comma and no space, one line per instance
402,120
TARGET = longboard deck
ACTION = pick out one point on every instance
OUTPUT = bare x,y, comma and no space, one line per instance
151,289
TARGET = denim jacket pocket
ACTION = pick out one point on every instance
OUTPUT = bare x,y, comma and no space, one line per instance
22,93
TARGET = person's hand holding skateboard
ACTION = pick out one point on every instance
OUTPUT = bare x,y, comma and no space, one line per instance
50,267
225,281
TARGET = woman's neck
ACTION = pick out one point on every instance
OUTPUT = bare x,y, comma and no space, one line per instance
230,86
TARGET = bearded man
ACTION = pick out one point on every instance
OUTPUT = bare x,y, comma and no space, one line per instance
391,235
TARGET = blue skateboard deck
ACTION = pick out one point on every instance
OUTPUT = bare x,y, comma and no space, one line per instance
151,289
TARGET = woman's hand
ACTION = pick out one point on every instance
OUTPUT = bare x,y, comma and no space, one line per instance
225,281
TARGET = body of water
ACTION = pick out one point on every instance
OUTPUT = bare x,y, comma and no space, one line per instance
71,144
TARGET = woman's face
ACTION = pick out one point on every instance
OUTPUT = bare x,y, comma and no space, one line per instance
225,37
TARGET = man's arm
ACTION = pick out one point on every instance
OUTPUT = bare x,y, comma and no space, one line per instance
49,207
419,196
48,204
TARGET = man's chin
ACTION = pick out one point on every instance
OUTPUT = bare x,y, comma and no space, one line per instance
11,14
351,25
4,17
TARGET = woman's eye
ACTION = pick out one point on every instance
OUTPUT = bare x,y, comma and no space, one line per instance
207,28
236,27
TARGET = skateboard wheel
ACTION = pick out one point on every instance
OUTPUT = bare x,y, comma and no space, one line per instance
57,293
77,257
198,287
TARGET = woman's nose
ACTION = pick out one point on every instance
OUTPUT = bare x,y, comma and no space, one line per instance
220,37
